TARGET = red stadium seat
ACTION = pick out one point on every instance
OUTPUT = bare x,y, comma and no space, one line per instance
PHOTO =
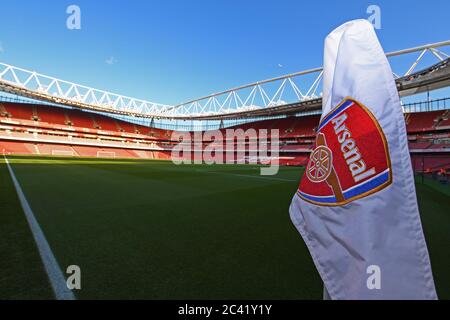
423,121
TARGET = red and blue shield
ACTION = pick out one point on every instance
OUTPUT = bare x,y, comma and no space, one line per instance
350,160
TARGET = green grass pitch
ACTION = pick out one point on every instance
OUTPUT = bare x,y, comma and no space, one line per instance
154,230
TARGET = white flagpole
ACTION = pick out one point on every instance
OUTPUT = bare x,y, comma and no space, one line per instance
326,296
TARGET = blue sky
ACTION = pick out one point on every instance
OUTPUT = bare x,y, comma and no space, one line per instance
172,51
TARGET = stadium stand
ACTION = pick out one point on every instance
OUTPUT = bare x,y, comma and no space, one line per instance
46,114
104,123
18,111
423,121
420,145
48,130
444,121
80,119
128,127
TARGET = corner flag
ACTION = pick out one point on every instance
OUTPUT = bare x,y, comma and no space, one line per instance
356,205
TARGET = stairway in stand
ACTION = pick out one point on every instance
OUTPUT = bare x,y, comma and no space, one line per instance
3,112
35,116
67,119
96,126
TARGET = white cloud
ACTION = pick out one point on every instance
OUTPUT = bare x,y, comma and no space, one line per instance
111,60
280,65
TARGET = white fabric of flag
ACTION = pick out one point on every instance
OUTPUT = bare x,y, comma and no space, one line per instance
356,206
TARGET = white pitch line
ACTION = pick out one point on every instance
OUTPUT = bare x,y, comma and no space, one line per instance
51,266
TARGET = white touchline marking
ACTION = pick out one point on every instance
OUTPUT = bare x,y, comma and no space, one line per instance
55,275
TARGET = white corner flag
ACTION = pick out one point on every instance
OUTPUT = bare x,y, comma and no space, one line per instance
356,205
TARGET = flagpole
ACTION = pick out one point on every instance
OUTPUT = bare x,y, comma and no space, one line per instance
326,295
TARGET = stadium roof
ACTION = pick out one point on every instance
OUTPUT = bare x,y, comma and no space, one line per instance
286,94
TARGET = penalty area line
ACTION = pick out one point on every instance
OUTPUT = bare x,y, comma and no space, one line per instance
51,266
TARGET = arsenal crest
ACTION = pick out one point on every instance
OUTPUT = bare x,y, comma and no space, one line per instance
350,160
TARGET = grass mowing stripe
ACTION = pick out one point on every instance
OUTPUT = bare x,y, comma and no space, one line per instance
251,176
51,266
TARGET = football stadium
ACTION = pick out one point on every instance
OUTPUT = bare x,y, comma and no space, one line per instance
96,180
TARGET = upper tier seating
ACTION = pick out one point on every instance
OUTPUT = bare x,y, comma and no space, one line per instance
4,112
127,127
48,114
81,119
422,121
444,120
106,123
77,118
290,128
18,110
